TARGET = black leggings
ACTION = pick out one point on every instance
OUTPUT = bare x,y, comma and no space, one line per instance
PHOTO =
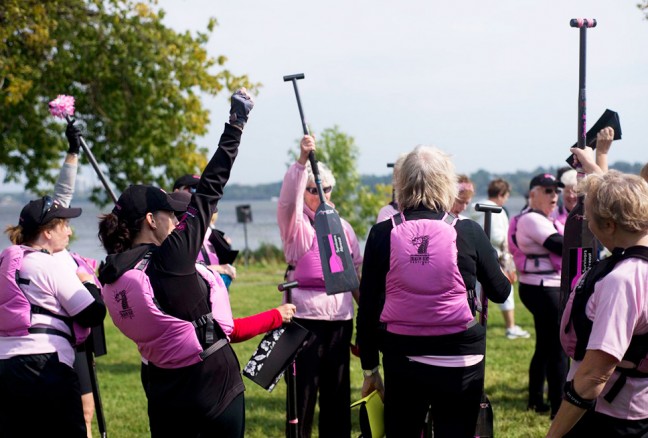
411,387
549,360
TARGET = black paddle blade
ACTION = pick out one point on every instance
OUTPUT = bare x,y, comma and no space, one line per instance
484,426
609,118
337,264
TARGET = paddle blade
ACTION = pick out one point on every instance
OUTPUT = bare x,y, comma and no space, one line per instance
337,264
484,426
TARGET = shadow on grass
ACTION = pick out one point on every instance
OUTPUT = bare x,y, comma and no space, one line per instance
119,368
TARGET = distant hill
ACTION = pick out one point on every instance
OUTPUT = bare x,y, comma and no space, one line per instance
519,181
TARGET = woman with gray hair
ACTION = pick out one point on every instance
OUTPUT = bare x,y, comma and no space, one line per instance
419,275
324,363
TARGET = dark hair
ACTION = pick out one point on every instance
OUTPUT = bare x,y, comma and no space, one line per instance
115,235
18,236
498,187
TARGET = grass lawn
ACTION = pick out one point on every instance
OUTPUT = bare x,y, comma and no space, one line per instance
256,290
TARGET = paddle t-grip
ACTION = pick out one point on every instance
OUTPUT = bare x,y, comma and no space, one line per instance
582,22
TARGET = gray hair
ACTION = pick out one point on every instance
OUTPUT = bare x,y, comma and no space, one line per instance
569,178
325,174
427,176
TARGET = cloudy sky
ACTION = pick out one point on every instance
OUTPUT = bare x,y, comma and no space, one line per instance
494,83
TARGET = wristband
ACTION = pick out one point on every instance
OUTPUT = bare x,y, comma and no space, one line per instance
571,396
371,372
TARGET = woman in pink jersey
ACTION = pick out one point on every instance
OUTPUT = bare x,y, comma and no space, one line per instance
419,275
323,365
37,379
607,388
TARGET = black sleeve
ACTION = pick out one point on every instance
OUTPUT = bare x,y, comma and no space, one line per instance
375,266
179,290
554,243
95,313
474,242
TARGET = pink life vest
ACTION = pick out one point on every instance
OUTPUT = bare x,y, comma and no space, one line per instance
576,327
527,263
87,266
162,339
425,293
15,308
308,269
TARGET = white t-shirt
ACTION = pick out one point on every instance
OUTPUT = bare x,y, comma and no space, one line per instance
55,287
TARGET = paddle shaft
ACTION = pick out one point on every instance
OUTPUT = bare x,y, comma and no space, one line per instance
292,421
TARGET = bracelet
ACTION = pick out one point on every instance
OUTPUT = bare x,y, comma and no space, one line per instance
571,396
371,372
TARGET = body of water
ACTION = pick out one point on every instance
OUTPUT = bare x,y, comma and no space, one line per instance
262,229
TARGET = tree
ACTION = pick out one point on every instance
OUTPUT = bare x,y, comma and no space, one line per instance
136,82
357,203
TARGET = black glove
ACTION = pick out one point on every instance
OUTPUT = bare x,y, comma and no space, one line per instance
242,104
73,134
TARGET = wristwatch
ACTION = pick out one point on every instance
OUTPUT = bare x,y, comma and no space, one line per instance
371,372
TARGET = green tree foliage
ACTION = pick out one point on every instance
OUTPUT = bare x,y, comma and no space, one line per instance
357,203
137,85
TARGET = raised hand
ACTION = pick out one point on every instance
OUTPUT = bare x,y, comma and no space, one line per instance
242,104
73,134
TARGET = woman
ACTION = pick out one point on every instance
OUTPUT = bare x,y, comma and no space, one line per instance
538,248
605,324
55,308
323,365
176,310
419,270
465,193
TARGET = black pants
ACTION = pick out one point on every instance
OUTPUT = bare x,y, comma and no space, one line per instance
597,424
411,387
39,396
549,360
323,366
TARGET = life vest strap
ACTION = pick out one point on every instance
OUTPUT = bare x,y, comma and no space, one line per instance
213,348
51,331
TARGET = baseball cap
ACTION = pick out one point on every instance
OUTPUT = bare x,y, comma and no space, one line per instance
139,199
186,181
41,211
545,180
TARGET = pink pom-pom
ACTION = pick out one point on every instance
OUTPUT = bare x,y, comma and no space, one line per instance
62,106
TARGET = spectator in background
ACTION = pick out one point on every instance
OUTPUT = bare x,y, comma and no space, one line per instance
392,208
465,193
569,199
499,191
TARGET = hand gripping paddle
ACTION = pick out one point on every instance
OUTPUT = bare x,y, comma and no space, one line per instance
337,264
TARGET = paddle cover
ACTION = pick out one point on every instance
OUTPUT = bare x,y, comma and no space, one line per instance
337,264
485,418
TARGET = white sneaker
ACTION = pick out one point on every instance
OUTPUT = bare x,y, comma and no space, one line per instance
517,332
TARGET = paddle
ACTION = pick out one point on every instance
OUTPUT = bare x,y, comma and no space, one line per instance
484,427
337,264
578,241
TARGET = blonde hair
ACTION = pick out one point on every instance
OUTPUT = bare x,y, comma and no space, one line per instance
619,197
426,177
18,236
465,186
325,174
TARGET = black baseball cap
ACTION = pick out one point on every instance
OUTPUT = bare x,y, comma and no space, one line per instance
41,211
186,181
545,180
139,199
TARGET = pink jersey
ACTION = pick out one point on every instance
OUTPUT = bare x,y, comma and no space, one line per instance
619,309
531,232
297,234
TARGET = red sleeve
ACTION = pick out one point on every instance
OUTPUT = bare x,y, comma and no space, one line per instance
250,326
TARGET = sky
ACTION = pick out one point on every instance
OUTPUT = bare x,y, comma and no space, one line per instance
493,83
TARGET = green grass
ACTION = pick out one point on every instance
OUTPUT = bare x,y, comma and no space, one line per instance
256,290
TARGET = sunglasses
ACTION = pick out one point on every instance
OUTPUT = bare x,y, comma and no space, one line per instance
313,190
550,191
48,201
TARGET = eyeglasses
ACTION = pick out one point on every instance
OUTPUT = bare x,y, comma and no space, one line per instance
550,191
313,190
48,201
